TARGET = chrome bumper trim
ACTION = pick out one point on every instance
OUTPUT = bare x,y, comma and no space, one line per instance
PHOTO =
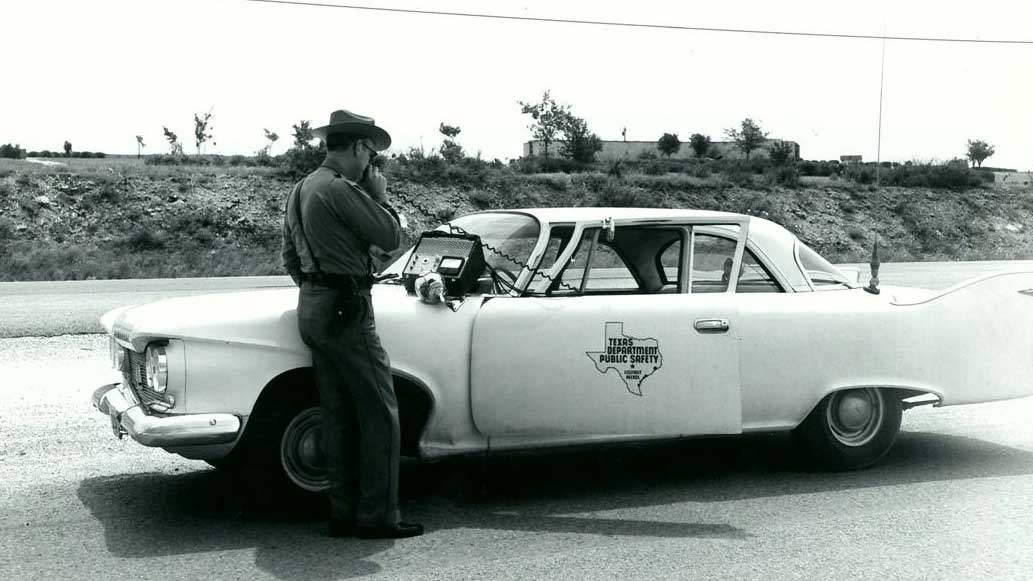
176,430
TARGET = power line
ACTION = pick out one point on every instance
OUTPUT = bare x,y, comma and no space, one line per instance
645,25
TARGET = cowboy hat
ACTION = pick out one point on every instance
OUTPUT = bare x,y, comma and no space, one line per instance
342,121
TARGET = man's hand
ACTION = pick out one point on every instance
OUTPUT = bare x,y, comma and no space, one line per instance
375,184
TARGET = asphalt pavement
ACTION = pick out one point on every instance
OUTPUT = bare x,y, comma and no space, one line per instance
35,309
951,501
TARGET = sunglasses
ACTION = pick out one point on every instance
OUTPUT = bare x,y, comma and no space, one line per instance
372,152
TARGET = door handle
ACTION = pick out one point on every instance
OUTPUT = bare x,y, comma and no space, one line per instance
711,325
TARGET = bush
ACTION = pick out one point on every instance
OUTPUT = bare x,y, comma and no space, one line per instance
781,152
144,239
451,151
11,151
28,205
919,175
739,176
784,175
860,173
760,205
483,199
700,170
7,229
166,159
616,195
298,162
654,168
819,168
552,165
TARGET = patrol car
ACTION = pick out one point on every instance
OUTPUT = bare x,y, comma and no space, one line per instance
552,327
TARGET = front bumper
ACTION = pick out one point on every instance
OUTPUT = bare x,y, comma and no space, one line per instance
128,417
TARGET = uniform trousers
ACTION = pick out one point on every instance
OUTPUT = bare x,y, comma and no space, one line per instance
361,436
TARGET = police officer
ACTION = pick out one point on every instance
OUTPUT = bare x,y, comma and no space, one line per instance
332,218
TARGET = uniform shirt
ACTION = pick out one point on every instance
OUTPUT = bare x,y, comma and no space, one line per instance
340,221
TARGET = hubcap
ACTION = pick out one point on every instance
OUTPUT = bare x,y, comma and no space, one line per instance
301,452
854,416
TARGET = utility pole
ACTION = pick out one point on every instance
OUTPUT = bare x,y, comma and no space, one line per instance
882,76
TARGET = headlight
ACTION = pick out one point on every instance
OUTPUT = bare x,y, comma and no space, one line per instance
157,368
118,354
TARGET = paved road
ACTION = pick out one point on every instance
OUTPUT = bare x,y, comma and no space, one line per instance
952,501
55,308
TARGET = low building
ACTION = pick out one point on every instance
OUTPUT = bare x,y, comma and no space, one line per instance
851,158
635,149
1014,178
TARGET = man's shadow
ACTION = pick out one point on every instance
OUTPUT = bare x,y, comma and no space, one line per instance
146,515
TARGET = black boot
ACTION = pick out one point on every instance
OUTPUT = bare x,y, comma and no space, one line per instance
399,530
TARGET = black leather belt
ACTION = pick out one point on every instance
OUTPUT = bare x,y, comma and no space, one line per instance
345,282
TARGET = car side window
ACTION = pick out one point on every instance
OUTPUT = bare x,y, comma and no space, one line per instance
755,278
559,237
712,259
669,263
596,267
608,271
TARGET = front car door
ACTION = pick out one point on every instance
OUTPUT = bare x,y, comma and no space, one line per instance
634,333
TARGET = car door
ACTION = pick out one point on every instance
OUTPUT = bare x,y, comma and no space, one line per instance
616,348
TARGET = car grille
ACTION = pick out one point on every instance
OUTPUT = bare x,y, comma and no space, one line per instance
135,374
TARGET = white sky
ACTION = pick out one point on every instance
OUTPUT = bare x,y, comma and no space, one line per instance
99,72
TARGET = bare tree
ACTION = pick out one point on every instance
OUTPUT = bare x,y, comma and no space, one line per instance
175,147
272,137
201,130
139,145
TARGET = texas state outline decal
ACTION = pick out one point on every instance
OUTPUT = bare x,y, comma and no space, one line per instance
633,358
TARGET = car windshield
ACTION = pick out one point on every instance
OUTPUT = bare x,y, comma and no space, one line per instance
512,236
819,271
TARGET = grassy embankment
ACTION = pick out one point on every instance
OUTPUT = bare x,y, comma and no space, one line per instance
121,218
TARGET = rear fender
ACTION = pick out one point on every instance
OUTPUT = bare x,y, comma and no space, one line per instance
978,339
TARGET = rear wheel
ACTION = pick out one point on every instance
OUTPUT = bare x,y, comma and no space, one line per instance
852,428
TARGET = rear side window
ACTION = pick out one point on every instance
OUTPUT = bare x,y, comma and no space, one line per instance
670,263
712,258
754,277
820,272
608,271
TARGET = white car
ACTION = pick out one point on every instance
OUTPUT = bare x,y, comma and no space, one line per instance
587,325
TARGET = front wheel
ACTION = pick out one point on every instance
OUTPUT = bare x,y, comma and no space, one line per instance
282,448
852,428
301,453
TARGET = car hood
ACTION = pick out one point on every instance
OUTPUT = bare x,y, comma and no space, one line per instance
259,317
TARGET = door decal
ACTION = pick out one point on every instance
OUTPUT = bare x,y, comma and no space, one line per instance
633,358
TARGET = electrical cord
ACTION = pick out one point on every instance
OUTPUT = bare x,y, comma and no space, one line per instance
490,248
